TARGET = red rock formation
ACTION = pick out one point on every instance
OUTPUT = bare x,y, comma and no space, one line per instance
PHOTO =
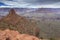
15,35
19,23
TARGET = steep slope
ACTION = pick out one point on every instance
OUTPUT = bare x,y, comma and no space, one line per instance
16,22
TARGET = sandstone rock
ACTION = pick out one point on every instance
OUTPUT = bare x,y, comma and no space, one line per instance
15,35
17,22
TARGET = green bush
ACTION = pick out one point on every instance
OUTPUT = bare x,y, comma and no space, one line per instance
52,38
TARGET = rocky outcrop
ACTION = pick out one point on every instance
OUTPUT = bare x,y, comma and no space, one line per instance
15,35
19,23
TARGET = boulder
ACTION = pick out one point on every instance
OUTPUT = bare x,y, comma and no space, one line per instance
15,35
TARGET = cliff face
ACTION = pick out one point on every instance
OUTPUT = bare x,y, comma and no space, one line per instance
15,35
19,23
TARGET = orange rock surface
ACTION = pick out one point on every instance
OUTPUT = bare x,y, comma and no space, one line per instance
15,35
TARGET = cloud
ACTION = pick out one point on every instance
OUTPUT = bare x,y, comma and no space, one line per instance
38,1
15,4
31,4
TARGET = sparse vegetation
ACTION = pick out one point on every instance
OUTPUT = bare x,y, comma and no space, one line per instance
52,38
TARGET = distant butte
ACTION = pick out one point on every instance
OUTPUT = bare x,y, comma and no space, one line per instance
12,17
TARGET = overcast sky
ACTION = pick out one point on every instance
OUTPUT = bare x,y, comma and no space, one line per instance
33,3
